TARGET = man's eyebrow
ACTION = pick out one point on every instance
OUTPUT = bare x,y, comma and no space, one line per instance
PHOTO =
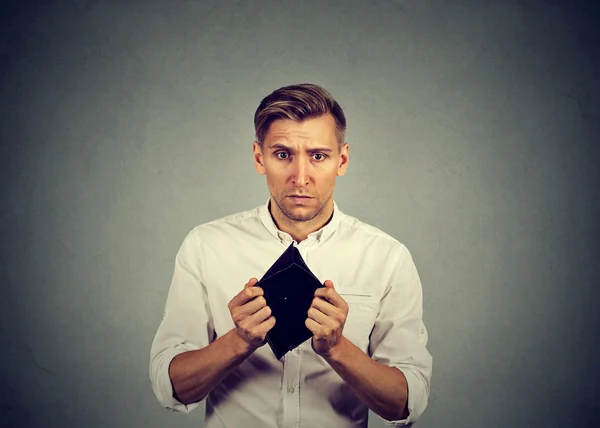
278,146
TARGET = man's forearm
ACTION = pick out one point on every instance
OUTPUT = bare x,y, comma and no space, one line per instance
195,373
383,389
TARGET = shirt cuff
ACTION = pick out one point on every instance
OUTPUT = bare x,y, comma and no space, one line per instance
417,399
162,386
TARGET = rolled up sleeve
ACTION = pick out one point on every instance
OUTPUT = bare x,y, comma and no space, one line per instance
399,337
186,325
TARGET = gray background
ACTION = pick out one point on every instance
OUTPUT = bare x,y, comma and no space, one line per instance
473,127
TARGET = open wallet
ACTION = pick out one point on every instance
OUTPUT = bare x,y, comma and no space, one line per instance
289,289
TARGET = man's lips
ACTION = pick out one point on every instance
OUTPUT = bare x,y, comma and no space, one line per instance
299,200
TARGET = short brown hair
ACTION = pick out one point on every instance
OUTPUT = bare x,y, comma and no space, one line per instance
298,102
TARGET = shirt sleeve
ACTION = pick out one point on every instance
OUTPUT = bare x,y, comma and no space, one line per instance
186,324
399,336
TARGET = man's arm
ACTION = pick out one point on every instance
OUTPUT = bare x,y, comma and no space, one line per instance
195,373
382,388
393,380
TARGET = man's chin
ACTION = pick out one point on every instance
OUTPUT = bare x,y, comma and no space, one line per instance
296,213
299,217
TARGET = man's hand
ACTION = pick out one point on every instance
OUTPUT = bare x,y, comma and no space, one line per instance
326,318
195,373
251,315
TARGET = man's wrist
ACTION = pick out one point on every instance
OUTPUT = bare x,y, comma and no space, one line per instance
336,353
240,346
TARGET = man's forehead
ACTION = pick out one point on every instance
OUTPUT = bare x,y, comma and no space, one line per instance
316,131
291,136
297,142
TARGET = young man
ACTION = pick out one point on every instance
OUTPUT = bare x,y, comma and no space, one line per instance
368,349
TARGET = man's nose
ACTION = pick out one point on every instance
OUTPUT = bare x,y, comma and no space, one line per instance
301,168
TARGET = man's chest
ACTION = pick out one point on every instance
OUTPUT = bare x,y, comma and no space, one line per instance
359,276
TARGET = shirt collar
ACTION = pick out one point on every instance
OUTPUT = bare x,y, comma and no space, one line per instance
318,235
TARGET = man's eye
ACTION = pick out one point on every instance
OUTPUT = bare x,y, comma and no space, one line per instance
282,153
321,156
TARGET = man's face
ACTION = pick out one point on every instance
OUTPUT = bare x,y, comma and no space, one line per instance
301,162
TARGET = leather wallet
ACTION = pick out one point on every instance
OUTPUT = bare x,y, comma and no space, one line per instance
289,289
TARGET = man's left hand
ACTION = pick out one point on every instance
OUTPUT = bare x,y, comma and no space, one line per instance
326,318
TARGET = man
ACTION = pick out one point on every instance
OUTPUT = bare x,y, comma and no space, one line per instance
368,349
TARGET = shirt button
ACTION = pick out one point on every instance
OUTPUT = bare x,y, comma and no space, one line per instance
291,390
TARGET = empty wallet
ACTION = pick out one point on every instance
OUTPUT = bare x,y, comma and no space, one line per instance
289,289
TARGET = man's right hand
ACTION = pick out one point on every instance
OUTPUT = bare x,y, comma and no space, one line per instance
195,373
251,315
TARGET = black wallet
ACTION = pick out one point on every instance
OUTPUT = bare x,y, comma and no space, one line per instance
289,288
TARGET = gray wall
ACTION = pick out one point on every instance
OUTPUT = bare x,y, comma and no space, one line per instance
474,129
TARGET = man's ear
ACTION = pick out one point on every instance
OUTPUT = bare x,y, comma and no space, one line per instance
344,159
258,158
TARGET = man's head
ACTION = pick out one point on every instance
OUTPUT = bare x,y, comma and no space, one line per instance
298,103
300,148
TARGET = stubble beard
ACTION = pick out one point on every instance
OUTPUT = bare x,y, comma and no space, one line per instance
300,217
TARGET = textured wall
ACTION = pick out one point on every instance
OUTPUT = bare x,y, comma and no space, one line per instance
474,129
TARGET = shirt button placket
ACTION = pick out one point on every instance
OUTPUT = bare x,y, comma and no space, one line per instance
291,400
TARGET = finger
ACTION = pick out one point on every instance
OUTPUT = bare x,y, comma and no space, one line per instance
329,294
246,303
247,294
251,283
259,316
249,308
312,325
337,315
261,322
267,325
264,327
321,318
328,283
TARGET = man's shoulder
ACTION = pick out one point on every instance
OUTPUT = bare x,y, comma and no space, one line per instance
359,233
226,225
369,242
357,226
235,218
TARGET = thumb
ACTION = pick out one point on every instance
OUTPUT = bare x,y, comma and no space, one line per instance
251,283
328,284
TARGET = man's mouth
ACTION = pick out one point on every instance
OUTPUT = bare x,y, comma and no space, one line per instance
299,199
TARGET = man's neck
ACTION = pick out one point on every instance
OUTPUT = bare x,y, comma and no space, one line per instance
299,230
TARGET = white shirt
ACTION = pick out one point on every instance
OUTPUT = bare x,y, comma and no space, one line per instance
371,271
